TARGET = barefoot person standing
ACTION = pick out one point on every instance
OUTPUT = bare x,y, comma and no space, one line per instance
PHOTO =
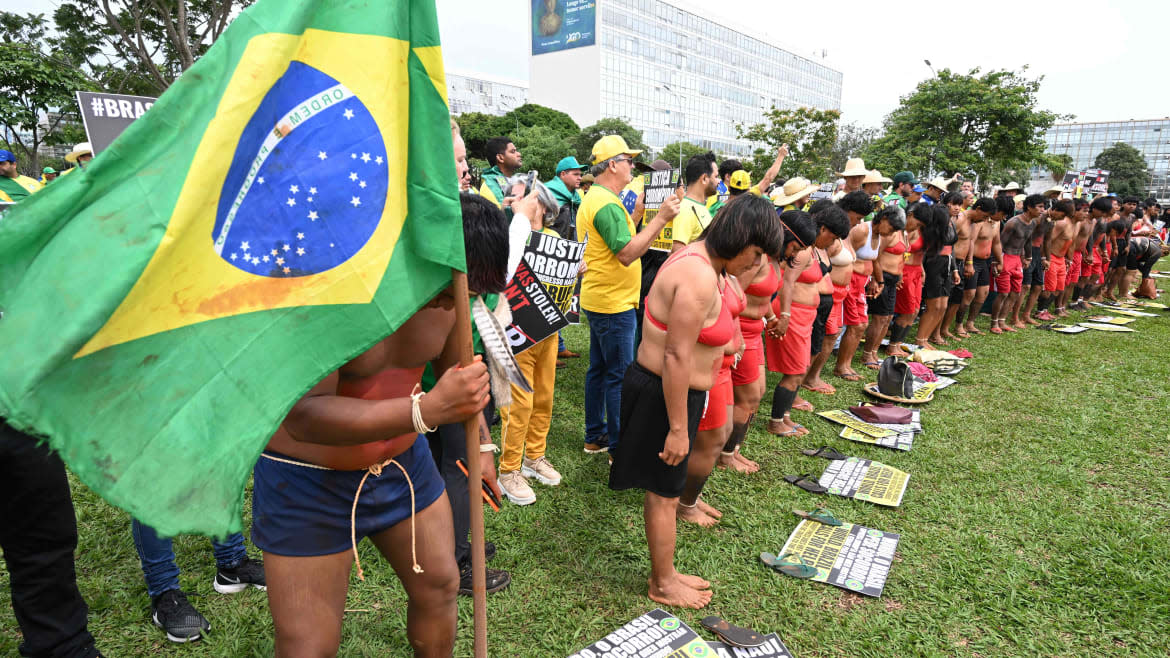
664,391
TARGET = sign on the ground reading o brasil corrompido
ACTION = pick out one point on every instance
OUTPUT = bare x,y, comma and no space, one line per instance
771,648
563,24
656,634
105,116
658,186
848,556
556,262
534,315
867,480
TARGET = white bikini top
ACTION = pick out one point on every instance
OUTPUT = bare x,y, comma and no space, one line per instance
867,250
843,257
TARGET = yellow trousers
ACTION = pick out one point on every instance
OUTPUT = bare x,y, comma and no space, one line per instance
527,419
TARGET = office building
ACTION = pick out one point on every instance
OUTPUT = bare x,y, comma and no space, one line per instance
474,92
1084,141
673,73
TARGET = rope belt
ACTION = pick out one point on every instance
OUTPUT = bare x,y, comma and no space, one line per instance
375,470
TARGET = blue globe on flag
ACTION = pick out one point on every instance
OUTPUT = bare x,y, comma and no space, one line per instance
307,184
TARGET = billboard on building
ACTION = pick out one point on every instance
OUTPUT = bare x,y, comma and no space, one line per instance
563,24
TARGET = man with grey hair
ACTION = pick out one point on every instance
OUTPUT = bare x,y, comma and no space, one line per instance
610,286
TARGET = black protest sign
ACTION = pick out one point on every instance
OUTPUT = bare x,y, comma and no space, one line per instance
771,648
862,479
534,315
1096,181
825,191
556,262
573,315
1072,181
656,633
106,115
848,556
659,185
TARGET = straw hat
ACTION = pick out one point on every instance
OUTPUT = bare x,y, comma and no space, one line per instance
940,183
81,149
854,167
1055,189
1011,186
795,188
875,176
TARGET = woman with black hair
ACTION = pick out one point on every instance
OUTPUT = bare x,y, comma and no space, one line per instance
687,328
939,274
881,292
909,300
788,343
836,261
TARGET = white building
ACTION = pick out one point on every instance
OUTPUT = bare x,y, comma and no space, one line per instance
475,92
672,73
1085,141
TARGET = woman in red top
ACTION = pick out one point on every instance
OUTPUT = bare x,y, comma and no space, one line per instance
684,337
833,288
909,299
789,344
747,376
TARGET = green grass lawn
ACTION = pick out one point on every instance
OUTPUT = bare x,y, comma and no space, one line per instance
1035,524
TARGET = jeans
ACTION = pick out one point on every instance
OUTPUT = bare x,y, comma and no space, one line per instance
611,351
448,444
157,557
560,342
38,533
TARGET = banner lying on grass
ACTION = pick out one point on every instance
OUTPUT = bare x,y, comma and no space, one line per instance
866,480
848,556
656,633
847,419
898,441
771,648
287,203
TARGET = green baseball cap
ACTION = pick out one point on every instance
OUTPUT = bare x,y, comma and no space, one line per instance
905,177
568,163
48,170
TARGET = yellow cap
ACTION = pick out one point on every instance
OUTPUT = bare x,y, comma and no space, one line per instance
610,146
740,180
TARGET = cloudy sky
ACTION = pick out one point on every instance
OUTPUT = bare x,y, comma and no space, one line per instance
1101,60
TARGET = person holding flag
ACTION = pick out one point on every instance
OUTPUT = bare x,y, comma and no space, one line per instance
14,186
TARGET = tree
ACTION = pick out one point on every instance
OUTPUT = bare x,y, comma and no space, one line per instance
852,140
1063,163
36,89
986,124
542,148
810,135
529,115
1128,173
477,128
583,144
676,152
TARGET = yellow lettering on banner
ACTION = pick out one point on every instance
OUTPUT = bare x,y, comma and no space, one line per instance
838,416
665,239
855,435
883,485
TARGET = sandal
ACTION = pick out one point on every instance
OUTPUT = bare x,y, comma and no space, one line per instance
824,451
849,376
777,428
804,405
808,482
820,515
800,430
795,568
824,389
736,636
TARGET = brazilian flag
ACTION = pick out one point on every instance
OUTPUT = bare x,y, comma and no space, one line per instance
287,203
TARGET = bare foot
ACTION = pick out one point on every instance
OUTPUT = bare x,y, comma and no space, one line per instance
1062,314
751,465
849,375
944,337
1030,320
708,510
925,345
1021,325
696,516
962,333
970,328
676,593
730,461
897,351
693,582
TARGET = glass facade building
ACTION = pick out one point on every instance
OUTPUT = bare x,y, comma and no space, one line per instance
469,92
1084,141
677,75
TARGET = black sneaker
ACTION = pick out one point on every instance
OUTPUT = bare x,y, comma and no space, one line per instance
171,612
489,551
495,579
247,573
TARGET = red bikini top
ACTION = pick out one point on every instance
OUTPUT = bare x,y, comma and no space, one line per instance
768,286
897,249
812,273
722,330
917,246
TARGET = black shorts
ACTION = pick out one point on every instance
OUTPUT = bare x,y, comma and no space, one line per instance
937,280
982,272
1034,274
883,304
645,426
824,308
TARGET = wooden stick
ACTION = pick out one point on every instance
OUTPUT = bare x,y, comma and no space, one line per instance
474,475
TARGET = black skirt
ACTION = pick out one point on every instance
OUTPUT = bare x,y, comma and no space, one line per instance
645,426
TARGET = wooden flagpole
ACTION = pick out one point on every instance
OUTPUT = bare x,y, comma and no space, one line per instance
474,475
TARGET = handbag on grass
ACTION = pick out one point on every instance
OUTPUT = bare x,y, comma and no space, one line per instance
883,414
895,378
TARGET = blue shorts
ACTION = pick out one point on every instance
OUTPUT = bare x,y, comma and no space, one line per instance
300,511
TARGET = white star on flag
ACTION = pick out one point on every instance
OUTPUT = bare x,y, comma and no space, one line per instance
286,247
321,155
365,157
312,190
348,113
356,202
378,160
362,185
280,261
255,261
233,256
352,176
291,202
265,259
260,180
244,245
312,216
300,236
310,199
352,156
294,189
286,270
330,244
300,251
273,252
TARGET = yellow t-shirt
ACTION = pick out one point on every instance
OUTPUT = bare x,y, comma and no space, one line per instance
693,218
608,286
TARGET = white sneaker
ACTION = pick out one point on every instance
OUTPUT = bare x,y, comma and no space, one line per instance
516,488
541,469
